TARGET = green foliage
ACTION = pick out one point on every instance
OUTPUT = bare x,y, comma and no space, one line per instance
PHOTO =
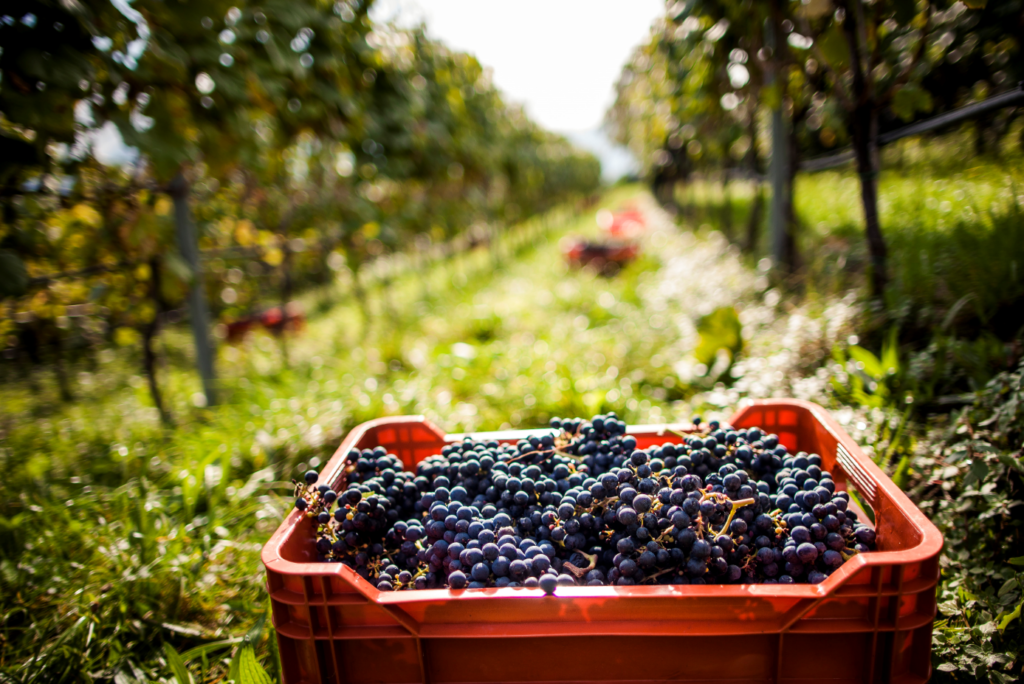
909,100
834,47
245,669
872,381
971,484
959,270
720,330
698,95
314,141
48,56
688,97
177,665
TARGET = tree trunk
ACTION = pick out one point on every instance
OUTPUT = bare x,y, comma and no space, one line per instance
198,310
757,207
286,297
789,208
779,166
29,346
754,220
726,207
60,369
149,332
865,148
864,131
981,128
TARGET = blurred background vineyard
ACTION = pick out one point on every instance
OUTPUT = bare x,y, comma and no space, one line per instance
376,229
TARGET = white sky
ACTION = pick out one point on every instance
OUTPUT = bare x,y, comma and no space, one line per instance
560,58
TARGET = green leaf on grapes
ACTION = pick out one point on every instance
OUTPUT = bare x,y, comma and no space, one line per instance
1011,461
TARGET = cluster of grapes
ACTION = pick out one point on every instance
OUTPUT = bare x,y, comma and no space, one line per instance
584,506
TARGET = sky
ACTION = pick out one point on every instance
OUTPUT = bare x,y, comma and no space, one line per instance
559,58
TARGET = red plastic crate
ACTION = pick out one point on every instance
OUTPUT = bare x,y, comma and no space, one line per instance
606,257
870,621
627,223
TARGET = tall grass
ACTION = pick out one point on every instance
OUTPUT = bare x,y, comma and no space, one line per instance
955,242
966,268
954,233
954,225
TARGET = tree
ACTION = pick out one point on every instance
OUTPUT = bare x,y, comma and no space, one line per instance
297,135
876,56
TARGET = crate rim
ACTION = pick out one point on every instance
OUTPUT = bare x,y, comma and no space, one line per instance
929,545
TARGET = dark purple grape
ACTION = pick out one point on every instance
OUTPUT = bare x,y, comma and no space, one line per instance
457,580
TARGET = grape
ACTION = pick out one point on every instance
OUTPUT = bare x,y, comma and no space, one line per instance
582,505
457,580
865,535
807,553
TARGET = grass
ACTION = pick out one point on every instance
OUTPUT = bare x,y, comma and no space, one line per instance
950,237
954,233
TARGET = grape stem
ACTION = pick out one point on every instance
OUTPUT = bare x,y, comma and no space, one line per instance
736,505
580,572
544,451
659,574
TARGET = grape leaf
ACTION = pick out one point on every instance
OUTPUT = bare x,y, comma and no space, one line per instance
911,99
833,46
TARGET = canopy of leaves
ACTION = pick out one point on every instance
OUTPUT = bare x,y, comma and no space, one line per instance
691,97
308,133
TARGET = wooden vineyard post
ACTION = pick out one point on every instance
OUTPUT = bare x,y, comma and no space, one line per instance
779,163
199,314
